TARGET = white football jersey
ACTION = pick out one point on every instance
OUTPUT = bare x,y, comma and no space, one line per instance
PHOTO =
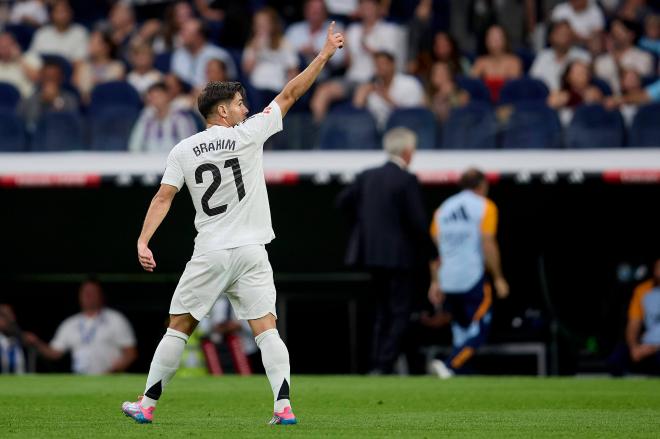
223,169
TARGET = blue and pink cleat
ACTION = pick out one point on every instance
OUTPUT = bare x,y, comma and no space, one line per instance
140,414
285,417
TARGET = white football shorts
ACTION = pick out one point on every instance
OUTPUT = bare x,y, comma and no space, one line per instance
244,274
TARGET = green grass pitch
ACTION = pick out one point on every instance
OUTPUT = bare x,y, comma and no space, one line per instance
327,406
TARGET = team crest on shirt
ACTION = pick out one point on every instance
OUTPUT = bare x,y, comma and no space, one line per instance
267,110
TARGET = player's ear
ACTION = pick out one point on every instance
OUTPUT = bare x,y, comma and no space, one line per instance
222,110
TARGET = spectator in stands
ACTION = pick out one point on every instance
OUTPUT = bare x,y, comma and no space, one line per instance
268,59
49,97
388,91
631,84
122,28
443,93
651,39
498,65
551,62
622,54
308,37
160,126
100,339
100,66
234,17
633,10
584,16
390,239
168,38
464,227
29,12
16,68
445,50
216,71
189,60
12,356
364,38
179,92
642,348
62,37
649,94
576,88
142,74
419,47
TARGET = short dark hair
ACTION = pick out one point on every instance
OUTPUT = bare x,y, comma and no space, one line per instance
215,93
160,85
384,54
472,179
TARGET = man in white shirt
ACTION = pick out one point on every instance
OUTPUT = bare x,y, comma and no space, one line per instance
100,339
623,54
223,170
18,69
63,37
585,17
189,61
388,91
550,63
308,36
372,34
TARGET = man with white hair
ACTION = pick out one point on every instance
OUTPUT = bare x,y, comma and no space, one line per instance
389,239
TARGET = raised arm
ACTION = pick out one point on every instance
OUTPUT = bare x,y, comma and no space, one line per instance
158,209
299,85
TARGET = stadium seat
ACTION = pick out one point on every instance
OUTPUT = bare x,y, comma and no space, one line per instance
9,96
115,94
349,129
475,88
602,85
532,125
299,133
471,127
163,62
12,132
523,90
22,33
58,131
65,65
645,130
595,127
420,120
527,57
111,128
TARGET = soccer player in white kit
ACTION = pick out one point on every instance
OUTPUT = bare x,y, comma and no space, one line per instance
222,167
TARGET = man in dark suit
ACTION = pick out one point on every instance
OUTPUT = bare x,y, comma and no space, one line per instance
389,237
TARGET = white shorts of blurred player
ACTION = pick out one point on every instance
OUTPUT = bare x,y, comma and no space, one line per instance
243,274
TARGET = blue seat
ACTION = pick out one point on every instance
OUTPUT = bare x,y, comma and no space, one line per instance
115,94
595,127
645,130
111,128
532,126
12,132
22,33
475,88
58,131
527,57
471,127
9,96
299,133
602,85
420,120
65,65
523,90
163,62
349,129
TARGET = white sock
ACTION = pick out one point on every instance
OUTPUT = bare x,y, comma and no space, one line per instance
164,365
275,357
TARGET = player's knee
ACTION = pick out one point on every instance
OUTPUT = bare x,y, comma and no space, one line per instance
263,324
185,323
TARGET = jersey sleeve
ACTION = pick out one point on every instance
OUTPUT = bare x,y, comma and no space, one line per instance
261,126
636,309
173,172
489,222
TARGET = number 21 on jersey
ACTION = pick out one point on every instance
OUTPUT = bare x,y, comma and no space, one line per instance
215,184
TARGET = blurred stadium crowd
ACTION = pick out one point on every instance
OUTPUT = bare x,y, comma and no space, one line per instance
123,75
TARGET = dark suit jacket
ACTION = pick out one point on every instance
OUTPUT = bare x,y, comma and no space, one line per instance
390,226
